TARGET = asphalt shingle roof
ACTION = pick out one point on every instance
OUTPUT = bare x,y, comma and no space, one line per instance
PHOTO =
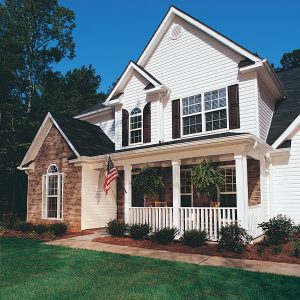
288,109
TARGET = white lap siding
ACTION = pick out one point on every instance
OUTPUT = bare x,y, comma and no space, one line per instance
285,183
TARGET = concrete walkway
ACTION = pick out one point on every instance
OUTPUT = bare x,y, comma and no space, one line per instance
85,242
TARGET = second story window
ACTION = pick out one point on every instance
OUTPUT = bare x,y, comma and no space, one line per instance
204,112
136,125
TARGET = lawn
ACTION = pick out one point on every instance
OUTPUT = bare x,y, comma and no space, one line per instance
31,270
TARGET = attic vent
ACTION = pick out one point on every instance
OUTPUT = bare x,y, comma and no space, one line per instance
176,32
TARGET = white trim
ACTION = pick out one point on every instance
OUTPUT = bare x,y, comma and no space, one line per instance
131,66
88,114
167,21
137,129
288,132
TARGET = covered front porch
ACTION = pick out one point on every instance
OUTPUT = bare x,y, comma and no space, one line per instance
178,205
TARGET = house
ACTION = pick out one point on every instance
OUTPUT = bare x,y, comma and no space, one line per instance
192,94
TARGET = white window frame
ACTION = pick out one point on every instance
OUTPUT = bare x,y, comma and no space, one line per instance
192,191
131,130
224,167
204,112
59,195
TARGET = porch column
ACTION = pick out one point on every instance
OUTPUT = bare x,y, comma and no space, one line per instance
128,187
242,189
176,192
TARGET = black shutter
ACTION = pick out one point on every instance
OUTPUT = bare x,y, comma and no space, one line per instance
125,127
176,119
234,110
147,123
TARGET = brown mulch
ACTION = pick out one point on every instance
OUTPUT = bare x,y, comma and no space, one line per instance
210,249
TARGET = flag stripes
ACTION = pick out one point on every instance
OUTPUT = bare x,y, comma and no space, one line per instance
110,175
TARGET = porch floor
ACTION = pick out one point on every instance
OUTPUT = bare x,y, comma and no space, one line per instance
85,242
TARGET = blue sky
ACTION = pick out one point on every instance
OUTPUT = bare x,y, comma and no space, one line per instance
109,33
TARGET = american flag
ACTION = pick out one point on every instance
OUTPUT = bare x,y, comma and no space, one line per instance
110,174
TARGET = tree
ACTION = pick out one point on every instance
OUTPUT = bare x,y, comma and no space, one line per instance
38,33
289,60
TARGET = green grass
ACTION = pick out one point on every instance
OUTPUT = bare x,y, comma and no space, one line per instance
31,270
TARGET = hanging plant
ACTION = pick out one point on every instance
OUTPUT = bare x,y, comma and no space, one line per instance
207,178
148,181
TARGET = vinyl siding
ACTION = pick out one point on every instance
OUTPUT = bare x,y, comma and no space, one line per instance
97,208
266,105
285,183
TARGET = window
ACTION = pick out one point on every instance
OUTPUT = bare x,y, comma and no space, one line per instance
186,188
228,191
136,126
53,194
195,119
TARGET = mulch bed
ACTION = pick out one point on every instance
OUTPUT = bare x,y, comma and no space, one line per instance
210,249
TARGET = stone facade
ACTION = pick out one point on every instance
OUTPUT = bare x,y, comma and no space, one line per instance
120,196
253,167
55,150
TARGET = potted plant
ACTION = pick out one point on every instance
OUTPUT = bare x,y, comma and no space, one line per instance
207,179
149,183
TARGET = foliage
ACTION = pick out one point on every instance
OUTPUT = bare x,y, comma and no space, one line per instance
234,238
24,226
206,177
139,231
278,230
260,248
194,238
9,220
148,181
58,228
289,60
297,230
116,228
40,228
165,235
276,249
297,247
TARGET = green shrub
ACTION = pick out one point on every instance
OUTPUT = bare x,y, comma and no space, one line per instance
24,226
40,228
58,228
233,238
116,228
278,230
297,248
276,249
194,238
165,235
9,220
297,230
260,248
139,231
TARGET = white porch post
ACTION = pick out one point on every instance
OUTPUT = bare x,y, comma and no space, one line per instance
242,189
176,192
127,185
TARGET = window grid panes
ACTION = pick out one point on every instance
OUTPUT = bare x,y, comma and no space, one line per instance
136,126
214,115
186,182
229,186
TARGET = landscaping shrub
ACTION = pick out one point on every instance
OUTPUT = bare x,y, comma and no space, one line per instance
24,226
276,249
194,238
297,248
116,228
297,230
40,228
165,235
278,230
139,231
233,238
58,228
260,248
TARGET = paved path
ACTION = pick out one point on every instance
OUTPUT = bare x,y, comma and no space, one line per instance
85,242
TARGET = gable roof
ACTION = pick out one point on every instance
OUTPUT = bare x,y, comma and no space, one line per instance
288,109
97,107
167,20
84,139
131,67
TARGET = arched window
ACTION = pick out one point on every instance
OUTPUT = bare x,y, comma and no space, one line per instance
136,125
53,193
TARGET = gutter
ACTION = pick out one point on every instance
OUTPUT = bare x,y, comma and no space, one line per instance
92,113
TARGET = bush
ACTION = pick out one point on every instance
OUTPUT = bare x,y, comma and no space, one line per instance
234,238
24,226
9,220
297,248
278,230
195,238
276,249
260,248
139,231
297,230
58,228
116,228
40,228
165,235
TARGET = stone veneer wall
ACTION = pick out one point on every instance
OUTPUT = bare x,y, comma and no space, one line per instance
253,167
120,196
55,150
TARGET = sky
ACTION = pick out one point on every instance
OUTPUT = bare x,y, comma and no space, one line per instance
110,33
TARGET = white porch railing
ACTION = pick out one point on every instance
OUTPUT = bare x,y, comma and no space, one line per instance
254,219
210,219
